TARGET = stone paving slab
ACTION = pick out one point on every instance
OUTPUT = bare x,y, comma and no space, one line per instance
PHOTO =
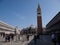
25,42
44,40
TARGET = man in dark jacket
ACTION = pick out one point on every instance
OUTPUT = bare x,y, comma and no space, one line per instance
58,38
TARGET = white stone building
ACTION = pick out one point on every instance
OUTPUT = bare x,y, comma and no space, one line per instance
6,28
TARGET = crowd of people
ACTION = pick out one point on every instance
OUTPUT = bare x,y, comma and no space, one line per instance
36,37
14,37
9,37
55,38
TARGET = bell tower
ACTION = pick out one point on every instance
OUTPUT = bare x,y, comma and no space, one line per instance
39,20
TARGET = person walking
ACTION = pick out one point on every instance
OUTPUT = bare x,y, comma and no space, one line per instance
12,36
53,36
35,39
27,37
58,38
7,38
19,37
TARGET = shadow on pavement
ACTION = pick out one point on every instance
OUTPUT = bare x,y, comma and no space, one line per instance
44,40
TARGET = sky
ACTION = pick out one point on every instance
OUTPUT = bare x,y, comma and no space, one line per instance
23,13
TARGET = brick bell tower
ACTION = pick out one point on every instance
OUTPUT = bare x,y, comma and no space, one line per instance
39,20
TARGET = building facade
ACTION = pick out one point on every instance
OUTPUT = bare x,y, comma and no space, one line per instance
6,28
54,25
29,30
